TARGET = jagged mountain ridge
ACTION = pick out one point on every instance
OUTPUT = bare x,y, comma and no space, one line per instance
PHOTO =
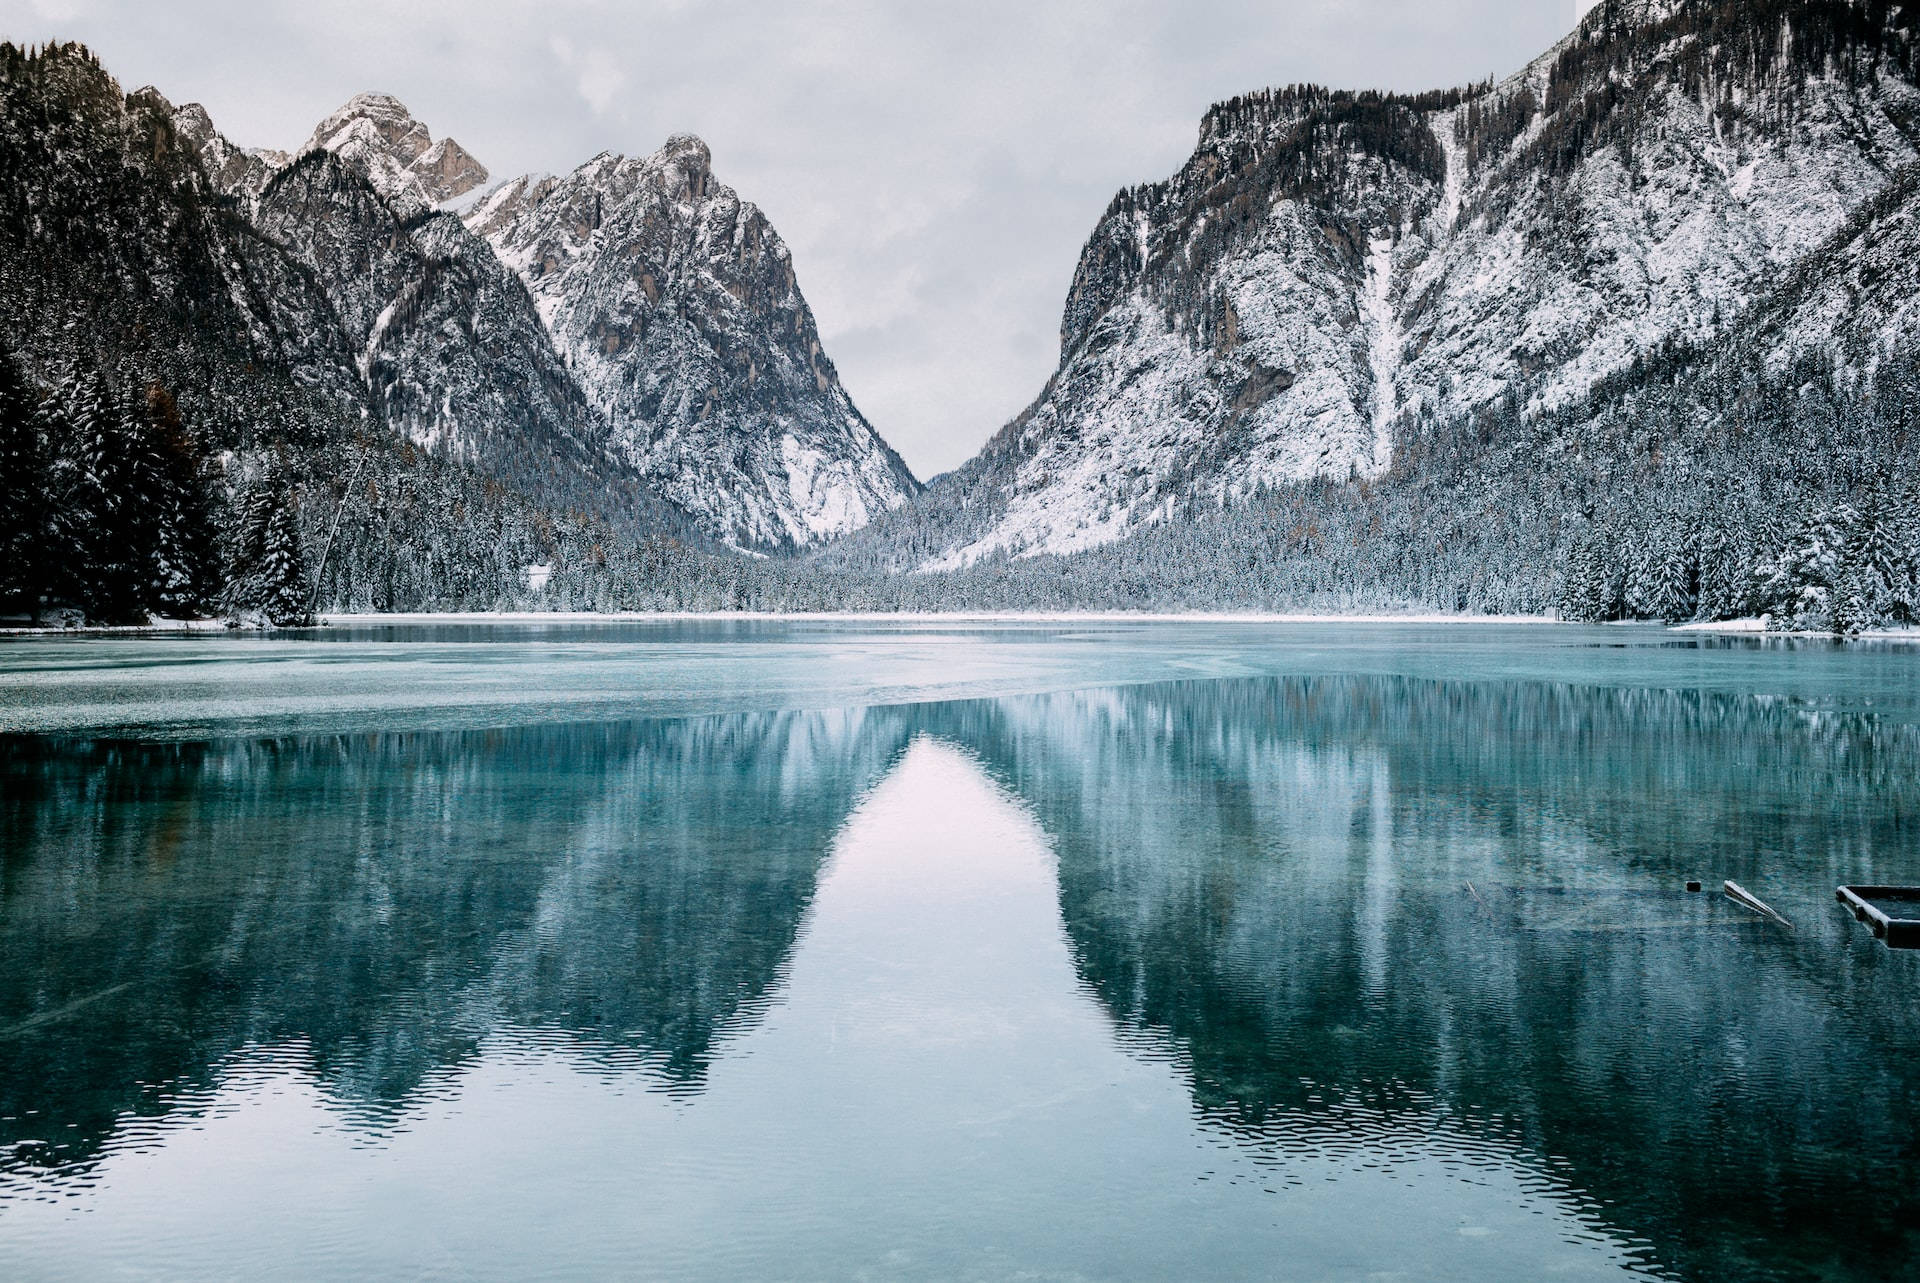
678,348
124,260
677,308
1332,270
443,341
730,411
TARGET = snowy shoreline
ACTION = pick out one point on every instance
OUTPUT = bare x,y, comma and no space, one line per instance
1758,628
468,618
415,618
918,617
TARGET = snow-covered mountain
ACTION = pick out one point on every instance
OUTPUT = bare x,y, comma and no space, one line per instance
677,308
444,340
442,335
1331,271
1627,334
635,316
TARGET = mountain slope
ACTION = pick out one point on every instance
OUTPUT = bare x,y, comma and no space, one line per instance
1331,271
445,339
286,325
717,410
117,254
676,307
446,342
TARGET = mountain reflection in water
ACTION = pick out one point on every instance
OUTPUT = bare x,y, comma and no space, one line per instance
1355,973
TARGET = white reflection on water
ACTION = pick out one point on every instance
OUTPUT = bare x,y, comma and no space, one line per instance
934,1094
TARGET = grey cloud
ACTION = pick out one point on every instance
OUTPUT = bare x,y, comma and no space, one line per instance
935,166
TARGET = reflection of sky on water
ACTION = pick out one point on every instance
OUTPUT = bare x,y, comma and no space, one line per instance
934,1092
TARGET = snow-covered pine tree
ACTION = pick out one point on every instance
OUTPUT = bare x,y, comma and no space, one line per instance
1725,586
1905,520
267,576
179,562
283,571
94,542
1871,573
246,547
1799,587
1663,578
23,488
1594,585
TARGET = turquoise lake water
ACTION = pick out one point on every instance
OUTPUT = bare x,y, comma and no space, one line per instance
955,950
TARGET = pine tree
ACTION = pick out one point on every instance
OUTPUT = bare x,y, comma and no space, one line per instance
283,570
1872,572
267,575
1662,580
23,489
1725,588
179,569
93,536
1904,520
246,548
1593,592
1800,585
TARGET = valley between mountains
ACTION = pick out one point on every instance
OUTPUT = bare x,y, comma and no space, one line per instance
1627,334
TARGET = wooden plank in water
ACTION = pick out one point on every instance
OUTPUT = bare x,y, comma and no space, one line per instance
1747,899
1883,909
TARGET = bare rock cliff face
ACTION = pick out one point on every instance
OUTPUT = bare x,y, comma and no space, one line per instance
677,310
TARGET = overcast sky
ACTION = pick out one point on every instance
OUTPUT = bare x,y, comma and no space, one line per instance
934,166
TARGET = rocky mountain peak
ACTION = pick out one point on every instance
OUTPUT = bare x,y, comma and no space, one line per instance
675,305
372,120
377,135
687,164
689,152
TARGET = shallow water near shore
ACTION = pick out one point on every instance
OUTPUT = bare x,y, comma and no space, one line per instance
922,949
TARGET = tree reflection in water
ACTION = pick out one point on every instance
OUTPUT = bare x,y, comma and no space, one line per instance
1350,910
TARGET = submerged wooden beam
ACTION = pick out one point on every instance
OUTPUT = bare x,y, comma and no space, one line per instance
1876,905
1747,899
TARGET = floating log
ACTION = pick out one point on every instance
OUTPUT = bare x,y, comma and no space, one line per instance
1748,900
1892,912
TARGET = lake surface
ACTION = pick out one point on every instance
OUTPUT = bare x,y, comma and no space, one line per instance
826,950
